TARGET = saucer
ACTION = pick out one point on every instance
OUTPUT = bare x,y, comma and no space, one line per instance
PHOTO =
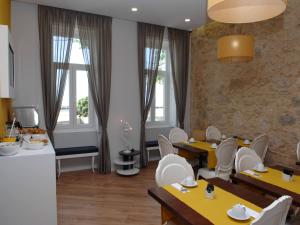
195,184
261,171
240,218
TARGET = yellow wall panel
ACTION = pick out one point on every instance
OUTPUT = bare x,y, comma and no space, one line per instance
5,104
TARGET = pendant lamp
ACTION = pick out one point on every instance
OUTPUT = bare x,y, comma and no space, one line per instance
244,11
236,48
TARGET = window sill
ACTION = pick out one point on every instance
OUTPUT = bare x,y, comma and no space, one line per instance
153,126
77,130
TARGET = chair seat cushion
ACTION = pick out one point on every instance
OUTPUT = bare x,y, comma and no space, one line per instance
151,144
75,150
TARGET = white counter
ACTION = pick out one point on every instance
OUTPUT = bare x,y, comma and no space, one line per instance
28,188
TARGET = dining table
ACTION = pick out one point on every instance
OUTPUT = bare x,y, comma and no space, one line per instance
271,182
202,150
193,208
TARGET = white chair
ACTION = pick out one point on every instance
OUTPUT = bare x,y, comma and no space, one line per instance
260,146
298,151
225,154
246,159
172,169
165,146
274,214
177,135
212,133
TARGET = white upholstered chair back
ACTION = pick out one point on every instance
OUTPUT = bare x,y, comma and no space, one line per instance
274,214
246,159
177,135
298,151
260,146
165,146
225,153
212,133
172,169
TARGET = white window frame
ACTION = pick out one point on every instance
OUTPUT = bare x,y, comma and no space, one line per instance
72,125
168,92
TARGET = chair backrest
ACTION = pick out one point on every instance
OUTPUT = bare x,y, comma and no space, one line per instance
165,146
172,169
246,159
212,133
260,145
225,153
177,135
298,151
274,214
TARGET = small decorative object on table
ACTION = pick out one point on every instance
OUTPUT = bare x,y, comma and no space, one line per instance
210,191
287,174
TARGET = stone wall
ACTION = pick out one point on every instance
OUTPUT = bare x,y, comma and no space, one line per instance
261,96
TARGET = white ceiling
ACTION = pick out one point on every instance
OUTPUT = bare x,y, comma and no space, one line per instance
163,12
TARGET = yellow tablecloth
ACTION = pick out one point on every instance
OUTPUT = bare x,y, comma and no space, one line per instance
211,155
214,210
274,177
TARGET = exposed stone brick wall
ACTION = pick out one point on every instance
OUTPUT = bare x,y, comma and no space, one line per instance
246,99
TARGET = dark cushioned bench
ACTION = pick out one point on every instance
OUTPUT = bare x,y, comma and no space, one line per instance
151,146
75,152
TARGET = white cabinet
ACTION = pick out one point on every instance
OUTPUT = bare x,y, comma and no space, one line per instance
28,188
7,73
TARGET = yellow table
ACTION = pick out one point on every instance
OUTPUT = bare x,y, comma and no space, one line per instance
214,210
202,146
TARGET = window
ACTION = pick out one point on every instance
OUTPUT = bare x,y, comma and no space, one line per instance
76,110
162,111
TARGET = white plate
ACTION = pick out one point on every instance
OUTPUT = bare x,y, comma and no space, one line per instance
261,171
195,184
192,141
240,218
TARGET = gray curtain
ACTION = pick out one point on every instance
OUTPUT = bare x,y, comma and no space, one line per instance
56,31
150,39
179,45
95,37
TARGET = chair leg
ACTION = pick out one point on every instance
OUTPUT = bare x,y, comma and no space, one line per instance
59,168
93,162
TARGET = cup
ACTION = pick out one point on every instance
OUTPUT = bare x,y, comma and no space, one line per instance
189,180
191,140
260,167
247,142
214,145
239,210
287,177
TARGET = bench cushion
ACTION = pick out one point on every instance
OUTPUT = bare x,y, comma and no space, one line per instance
151,144
75,150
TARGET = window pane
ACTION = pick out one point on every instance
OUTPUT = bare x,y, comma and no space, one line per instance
64,114
76,53
160,97
82,97
159,114
163,60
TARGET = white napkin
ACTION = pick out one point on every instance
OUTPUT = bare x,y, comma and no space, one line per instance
251,173
180,188
252,213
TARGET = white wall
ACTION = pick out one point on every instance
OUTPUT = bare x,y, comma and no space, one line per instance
124,84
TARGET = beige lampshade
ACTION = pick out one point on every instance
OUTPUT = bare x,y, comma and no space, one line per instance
244,11
236,48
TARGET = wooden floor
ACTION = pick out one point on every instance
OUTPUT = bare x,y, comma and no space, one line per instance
85,198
